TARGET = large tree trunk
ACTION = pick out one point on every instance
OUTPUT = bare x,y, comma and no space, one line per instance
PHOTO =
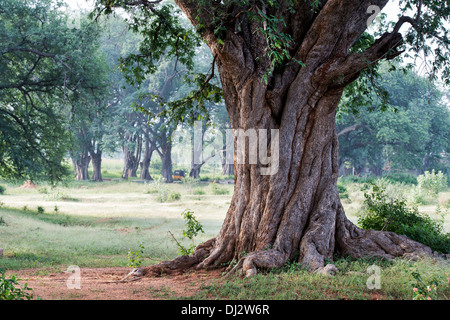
294,213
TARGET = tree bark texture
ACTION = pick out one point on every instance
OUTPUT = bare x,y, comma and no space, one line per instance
81,165
97,166
166,161
295,213
146,158
132,158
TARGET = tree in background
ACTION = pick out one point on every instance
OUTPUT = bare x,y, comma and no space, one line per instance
42,65
412,135
90,113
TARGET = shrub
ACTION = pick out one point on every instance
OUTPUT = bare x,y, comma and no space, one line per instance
43,190
393,215
163,195
401,178
198,192
217,190
174,196
343,193
10,288
432,183
424,290
2,189
40,210
356,179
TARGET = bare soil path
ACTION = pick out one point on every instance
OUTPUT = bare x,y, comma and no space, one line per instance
104,284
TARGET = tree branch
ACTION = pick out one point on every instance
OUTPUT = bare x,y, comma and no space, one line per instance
349,129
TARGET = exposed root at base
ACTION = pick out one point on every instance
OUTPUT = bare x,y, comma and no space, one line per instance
350,240
182,263
135,274
267,259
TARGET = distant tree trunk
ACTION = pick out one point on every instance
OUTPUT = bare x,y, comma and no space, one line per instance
81,165
132,159
196,152
195,171
227,168
130,165
97,166
145,163
376,170
166,159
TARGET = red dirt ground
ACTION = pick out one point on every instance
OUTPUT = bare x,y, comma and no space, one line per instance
104,284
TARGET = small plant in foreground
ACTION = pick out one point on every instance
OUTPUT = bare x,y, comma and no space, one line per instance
10,288
422,290
135,258
193,227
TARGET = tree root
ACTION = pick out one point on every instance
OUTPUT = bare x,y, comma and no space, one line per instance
346,239
357,243
267,259
181,263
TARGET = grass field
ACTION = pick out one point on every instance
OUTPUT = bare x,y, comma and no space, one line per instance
96,224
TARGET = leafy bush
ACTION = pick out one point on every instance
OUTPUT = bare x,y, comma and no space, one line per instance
427,290
218,190
393,215
43,190
2,189
343,193
163,195
432,183
401,178
10,288
356,179
198,192
174,196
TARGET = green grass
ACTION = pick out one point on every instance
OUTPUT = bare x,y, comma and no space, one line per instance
97,224
296,283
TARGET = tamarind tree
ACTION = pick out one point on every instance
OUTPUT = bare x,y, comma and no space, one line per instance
285,65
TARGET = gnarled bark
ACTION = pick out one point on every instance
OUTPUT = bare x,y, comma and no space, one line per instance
296,212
